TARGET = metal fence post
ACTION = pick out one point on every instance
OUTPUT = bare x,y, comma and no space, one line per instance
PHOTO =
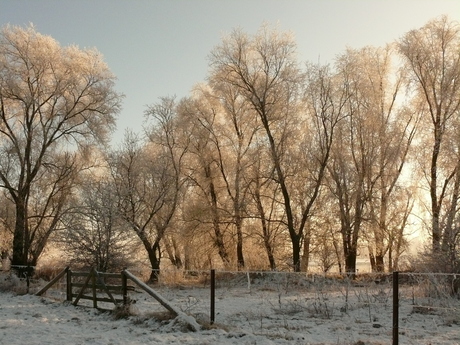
395,308
213,295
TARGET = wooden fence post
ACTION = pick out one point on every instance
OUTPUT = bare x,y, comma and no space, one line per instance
68,284
213,295
93,281
28,273
395,308
124,286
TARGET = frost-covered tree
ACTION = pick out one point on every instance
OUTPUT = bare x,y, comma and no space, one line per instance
432,56
147,175
370,151
54,102
265,71
94,235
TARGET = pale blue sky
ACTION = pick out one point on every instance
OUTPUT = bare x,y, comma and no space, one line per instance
160,47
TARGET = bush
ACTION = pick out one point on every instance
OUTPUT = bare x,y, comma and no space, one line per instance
11,283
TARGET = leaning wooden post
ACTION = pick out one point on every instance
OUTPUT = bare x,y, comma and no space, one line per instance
68,284
213,295
395,308
180,314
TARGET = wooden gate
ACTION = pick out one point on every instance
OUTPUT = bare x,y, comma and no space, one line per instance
92,286
95,282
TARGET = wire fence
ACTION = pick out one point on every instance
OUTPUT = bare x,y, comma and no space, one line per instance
308,305
311,308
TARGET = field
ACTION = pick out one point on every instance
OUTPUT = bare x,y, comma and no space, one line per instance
251,308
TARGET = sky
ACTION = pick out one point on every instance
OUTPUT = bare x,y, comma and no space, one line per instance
160,48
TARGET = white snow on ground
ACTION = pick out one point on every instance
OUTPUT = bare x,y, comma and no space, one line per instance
266,311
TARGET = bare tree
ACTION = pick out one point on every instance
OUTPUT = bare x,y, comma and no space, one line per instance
232,135
326,101
264,70
371,150
148,181
94,235
166,134
53,101
207,188
49,201
265,195
432,55
141,186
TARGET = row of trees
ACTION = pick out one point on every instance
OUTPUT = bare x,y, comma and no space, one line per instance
270,162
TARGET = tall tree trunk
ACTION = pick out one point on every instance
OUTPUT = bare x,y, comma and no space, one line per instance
379,263
337,254
296,249
435,202
218,235
154,258
173,252
294,235
379,232
350,262
350,247
397,253
267,241
306,252
20,234
390,259
237,207
239,234
372,258
265,226
239,246
449,234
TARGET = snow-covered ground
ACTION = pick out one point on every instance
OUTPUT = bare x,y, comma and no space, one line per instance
259,310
